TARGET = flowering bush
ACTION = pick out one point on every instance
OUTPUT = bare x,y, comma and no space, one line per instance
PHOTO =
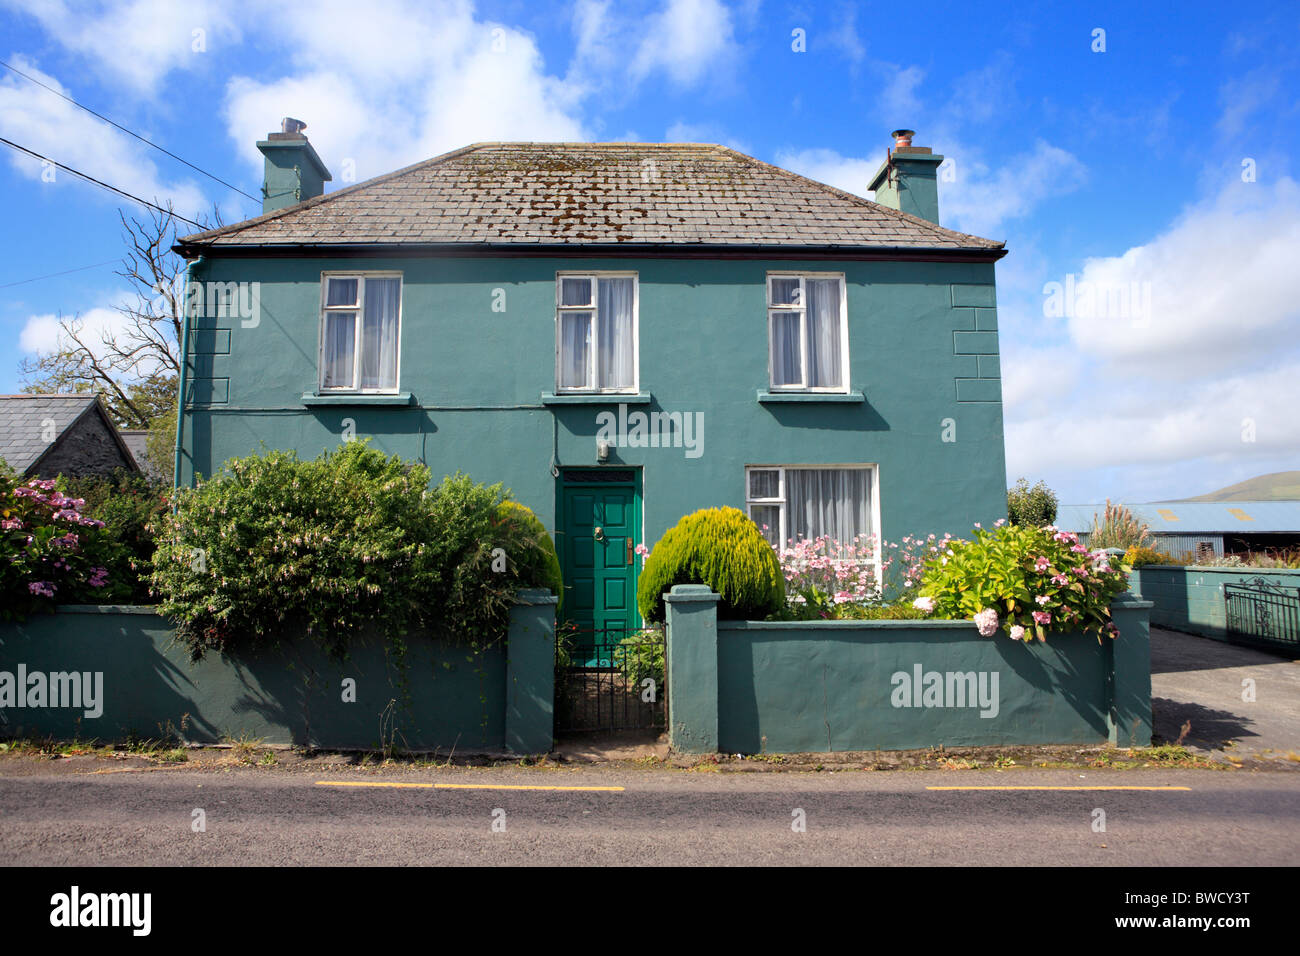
825,578
51,552
127,503
349,543
1025,580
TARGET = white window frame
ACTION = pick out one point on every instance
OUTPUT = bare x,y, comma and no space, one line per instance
358,311
593,349
780,502
802,309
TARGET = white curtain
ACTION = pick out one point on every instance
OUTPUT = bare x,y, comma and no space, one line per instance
575,336
615,307
785,349
379,333
823,333
340,330
833,501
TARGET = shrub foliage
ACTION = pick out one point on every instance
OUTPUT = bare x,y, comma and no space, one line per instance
1025,580
346,544
720,547
1034,506
51,551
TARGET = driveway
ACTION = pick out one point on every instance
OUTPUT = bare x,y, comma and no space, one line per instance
1209,684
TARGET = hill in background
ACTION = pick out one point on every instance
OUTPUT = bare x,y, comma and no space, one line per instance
1279,486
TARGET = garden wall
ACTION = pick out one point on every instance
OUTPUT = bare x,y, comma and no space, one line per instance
1191,599
497,701
786,687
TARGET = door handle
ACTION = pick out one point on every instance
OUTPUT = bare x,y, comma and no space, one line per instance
598,533
629,549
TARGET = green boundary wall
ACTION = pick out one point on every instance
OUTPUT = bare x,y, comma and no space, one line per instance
1191,598
820,686
498,700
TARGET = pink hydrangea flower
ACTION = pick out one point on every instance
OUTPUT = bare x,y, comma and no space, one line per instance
1042,617
986,622
1017,633
925,604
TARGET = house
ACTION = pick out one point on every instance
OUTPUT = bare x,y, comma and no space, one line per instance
1199,530
622,333
42,436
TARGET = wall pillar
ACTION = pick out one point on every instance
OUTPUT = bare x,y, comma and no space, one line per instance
530,673
692,616
1129,680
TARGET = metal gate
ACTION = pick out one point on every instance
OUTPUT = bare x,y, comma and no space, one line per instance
609,679
1265,614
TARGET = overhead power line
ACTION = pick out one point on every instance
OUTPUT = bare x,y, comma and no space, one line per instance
127,131
65,272
100,183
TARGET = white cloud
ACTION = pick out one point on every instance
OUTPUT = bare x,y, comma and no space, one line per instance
53,127
137,42
827,166
43,333
1223,283
688,40
978,200
1152,410
450,80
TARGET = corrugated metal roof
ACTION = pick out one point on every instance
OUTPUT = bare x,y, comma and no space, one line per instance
1195,517
592,194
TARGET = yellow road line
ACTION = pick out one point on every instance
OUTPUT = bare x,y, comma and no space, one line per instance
505,786
454,786
368,783
1059,788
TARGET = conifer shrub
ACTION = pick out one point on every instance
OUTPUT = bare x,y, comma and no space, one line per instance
720,547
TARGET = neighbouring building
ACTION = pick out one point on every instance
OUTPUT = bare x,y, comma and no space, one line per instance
622,333
42,436
1199,530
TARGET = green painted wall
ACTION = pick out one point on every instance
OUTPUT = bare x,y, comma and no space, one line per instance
288,696
774,687
922,340
1191,599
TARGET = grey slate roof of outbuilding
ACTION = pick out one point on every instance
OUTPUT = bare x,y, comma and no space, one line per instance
22,424
595,194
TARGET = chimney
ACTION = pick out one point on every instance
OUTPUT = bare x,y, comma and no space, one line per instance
294,173
908,179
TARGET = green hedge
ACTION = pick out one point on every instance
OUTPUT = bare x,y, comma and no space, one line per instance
349,543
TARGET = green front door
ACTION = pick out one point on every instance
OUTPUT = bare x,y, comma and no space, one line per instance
600,525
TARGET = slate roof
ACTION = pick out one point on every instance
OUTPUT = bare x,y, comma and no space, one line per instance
1195,517
22,420
603,194
136,441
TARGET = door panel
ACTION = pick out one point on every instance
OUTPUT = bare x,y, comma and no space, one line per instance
599,531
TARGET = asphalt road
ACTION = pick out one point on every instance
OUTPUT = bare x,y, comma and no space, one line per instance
273,817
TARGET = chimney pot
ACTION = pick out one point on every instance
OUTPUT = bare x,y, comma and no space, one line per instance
903,138
291,125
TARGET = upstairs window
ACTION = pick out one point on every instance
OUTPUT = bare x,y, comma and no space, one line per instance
808,332
596,333
360,332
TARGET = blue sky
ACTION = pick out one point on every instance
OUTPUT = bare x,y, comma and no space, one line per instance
1160,166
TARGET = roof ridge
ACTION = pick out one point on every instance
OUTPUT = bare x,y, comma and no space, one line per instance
863,201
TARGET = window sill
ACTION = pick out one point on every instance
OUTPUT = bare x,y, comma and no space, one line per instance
767,397
356,398
596,398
